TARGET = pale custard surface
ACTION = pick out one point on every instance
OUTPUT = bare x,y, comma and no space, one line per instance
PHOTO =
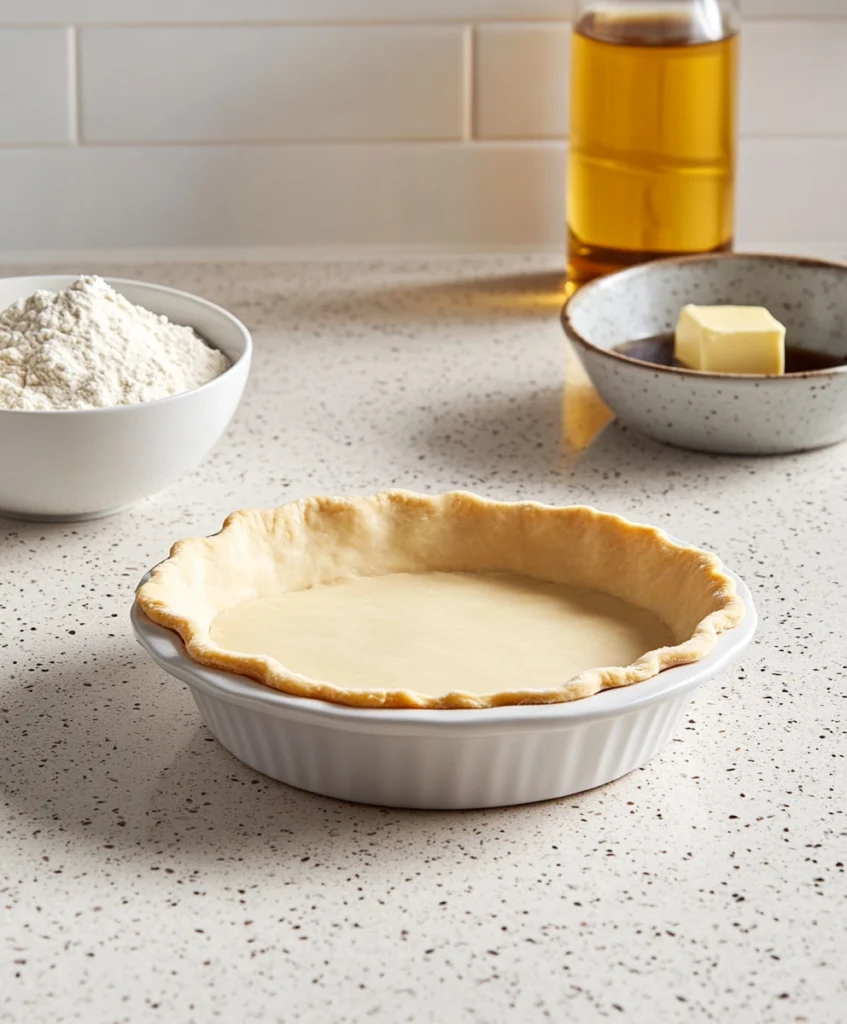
438,632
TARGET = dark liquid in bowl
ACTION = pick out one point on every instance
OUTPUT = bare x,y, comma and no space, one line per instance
659,350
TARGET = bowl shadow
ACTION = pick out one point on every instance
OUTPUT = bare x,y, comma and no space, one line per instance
468,296
548,436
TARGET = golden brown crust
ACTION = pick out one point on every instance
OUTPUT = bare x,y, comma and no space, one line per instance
319,540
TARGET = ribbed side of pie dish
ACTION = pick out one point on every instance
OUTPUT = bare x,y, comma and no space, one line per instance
320,540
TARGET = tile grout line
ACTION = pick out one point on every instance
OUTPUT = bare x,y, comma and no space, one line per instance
415,23
73,84
539,142
468,91
538,20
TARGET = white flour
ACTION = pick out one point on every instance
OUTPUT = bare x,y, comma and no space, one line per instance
89,348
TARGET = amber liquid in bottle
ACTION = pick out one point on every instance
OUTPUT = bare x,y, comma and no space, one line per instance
652,142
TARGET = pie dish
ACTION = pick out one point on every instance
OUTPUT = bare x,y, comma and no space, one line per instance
443,759
445,602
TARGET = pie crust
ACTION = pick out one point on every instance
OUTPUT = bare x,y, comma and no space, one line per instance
321,540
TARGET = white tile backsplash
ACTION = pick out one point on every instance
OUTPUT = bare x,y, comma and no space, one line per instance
521,81
421,123
395,194
34,86
271,84
446,195
146,12
141,12
794,8
792,190
794,76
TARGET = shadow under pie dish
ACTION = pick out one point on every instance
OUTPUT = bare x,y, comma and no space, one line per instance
404,601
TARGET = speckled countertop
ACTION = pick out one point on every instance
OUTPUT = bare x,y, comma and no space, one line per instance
149,876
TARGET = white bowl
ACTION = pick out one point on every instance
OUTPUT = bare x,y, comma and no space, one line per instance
755,414
443,759
85,463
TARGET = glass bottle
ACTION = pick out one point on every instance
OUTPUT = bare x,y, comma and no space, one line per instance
651,163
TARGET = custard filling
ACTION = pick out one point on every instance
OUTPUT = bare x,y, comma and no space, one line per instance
437,632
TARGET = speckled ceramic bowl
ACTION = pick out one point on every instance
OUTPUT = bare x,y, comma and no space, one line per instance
736,413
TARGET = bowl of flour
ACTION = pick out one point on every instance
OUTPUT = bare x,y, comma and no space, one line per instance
110,390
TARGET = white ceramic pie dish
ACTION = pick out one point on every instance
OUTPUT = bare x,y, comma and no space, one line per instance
443,759
86,463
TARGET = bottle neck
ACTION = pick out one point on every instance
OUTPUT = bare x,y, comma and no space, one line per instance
658,22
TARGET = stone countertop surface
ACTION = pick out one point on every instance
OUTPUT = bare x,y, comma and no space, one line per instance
149,876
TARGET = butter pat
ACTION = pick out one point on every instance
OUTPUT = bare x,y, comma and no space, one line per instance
730,339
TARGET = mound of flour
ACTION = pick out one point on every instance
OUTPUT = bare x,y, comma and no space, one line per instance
89,348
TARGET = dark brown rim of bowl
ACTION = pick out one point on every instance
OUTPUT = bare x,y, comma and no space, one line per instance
642,268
